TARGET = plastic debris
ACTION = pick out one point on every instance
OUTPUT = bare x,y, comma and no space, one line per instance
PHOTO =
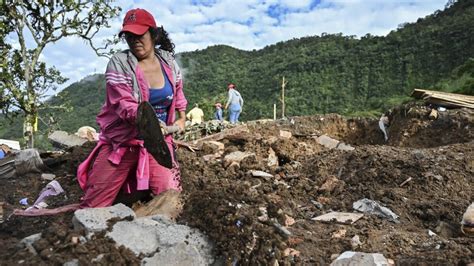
373,207
53,188
24,201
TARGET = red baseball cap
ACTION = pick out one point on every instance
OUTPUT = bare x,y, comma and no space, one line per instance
138,21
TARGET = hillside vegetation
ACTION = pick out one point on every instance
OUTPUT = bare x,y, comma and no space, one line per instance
330,73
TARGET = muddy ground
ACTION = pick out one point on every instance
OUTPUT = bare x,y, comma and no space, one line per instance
226,202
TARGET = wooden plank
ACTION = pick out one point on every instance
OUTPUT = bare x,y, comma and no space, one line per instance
339,217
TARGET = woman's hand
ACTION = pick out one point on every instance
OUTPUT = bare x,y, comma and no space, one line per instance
181,120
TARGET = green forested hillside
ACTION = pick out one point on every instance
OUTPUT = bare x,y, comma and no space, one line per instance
327,73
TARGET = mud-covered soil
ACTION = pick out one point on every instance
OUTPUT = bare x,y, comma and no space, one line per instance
228,203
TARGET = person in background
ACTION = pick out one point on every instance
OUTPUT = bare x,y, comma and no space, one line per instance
196,115
234,103
218,112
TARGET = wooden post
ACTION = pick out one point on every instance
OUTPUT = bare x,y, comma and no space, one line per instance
274,112
283,84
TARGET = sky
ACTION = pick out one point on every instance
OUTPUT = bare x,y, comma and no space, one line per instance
244,24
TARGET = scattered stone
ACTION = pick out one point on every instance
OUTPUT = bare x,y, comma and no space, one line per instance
332,183
257,173
355,242
445,230
237,157
467,222
75,240
291,252
264,214
272,158
74,262
48,177
339,233
95,219
282,230
327,141
292,241
28,242
212,146
339,217
433,114
289,221
360,258
431,233
212,157
285,134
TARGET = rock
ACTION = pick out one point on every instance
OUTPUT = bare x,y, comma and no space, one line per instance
355,242
327,141
339,233
467,222
237,157
433,114
331,184
74,262
285,134
257,173
95,219
290,252
272,158
360,258
181,254
211,146
28,242
289,221
49,177
212,157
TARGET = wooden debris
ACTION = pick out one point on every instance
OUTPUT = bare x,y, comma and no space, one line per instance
445,99
339,217
167,203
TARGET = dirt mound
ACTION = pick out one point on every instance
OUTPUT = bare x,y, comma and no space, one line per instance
258,220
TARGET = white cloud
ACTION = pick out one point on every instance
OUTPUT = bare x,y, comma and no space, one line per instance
245,24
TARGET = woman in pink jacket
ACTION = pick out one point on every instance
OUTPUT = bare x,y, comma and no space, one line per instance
145,72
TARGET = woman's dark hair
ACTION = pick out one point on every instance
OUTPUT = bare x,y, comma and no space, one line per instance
162,39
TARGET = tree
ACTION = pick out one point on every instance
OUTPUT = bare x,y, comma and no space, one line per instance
24,79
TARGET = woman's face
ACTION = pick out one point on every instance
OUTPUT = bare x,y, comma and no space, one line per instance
142,46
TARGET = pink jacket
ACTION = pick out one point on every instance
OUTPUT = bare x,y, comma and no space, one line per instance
126,87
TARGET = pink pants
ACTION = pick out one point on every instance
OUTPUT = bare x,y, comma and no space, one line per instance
105,179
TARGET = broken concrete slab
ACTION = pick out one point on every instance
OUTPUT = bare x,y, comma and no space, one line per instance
159,237
62,139
95,219
331,143
360,258
339,217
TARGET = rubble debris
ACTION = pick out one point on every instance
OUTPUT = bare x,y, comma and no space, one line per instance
355,242
331,184
361,258
285,134
258,173
331,143
62,139
272,159
339,233
48,177
339,217
53,188
444,99
433,114
467,223
22,162
211,147
236,157
291,252
95,219
372,207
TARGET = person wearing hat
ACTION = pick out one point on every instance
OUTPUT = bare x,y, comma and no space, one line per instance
234,104
218,112
147,71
